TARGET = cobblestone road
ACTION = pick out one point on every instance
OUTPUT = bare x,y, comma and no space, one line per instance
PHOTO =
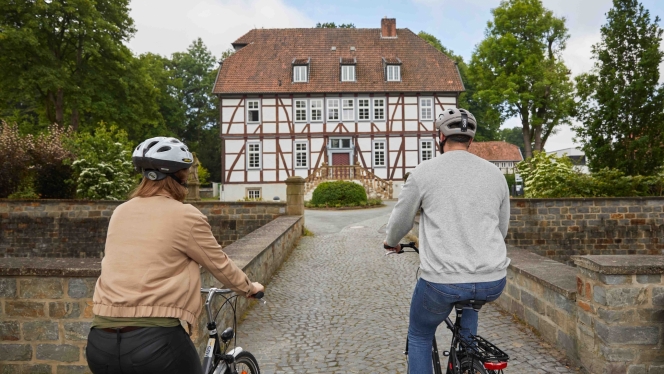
339,305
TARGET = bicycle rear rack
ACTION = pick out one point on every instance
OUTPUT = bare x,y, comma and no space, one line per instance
492,357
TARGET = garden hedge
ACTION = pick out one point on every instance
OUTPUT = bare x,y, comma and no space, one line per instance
339,192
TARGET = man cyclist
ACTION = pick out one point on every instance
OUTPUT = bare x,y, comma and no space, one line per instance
465,210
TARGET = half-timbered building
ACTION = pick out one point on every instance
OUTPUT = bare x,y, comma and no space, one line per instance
355,104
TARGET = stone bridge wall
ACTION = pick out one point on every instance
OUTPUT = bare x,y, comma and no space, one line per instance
607,314
561,228
77,228
46,305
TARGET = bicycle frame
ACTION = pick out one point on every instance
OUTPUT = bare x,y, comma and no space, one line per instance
213,357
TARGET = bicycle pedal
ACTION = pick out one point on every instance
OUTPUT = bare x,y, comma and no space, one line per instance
446,353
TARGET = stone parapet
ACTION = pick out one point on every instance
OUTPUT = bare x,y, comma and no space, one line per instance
46,303
295,196
560,228
620,303
77,228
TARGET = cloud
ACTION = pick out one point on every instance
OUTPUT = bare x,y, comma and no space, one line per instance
167,26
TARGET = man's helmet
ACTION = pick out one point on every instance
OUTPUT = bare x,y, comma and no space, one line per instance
159,157
456,121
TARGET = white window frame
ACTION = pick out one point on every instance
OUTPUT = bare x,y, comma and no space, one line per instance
423,108
249,191
258,108
393,73
375,151
260,155
348,73
432,149
360,108
300,74
331,105
296,109
375,117
341,143
350,109
296,152
312,109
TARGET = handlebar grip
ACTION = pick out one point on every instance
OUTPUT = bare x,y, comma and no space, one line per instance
258,295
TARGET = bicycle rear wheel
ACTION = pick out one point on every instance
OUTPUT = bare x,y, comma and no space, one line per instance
246,363
474,367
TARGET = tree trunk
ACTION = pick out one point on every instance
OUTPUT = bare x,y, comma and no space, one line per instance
74,118
60,107
526,133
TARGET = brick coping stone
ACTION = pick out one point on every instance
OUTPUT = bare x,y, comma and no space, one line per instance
551,274
243,252
118,202
621,264
642,198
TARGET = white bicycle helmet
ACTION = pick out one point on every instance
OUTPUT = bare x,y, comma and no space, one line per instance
456,121
160,157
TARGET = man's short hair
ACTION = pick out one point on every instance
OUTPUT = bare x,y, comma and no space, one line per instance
456,138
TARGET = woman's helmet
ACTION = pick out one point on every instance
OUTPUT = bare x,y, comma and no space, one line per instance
456,121
160,157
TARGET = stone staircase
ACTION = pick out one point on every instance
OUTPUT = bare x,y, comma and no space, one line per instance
376,187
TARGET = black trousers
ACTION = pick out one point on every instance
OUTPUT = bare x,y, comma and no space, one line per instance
162,350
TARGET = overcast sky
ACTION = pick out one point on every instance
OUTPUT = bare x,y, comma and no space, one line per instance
167,26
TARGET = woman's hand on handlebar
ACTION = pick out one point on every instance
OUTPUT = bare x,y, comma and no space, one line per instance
257,288
396,249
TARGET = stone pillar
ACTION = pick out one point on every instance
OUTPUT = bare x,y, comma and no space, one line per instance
620,324
295,196
193,184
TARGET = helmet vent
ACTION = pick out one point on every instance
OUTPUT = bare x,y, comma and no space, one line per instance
175,141
164,149
184,149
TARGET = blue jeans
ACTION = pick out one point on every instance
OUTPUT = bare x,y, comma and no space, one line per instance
431,304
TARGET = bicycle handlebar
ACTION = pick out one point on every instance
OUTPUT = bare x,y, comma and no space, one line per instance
404,245
222,291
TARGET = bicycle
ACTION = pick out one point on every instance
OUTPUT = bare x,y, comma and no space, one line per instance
216,360
466,356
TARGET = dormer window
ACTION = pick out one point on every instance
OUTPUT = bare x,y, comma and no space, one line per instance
392,69
348,69
393,73
301,70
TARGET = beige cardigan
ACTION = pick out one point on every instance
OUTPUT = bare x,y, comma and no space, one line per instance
150,266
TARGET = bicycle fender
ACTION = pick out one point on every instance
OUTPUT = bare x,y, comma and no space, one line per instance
235,351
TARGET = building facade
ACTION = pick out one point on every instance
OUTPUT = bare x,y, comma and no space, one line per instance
502,154
356,104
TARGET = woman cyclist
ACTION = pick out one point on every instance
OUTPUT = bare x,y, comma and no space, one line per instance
150,278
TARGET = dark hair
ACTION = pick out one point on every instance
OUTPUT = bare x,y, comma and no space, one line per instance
148,188
458,138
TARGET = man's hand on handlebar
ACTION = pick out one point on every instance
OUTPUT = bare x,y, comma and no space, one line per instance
396,249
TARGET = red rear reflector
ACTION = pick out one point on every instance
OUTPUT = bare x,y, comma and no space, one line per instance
495,365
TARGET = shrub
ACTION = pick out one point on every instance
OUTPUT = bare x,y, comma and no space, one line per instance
104,168
338,193
53,173
14,158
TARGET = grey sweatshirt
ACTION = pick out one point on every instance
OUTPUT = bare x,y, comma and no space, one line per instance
465,214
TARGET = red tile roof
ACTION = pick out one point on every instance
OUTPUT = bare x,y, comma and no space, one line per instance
496,151
264,65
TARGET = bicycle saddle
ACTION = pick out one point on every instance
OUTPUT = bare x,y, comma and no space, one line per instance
475,304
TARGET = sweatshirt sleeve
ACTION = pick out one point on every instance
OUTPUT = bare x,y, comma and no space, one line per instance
204,249
403,215
504,219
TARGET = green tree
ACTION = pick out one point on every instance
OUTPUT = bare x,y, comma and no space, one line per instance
621,101
513,136
518,69
488,118
195,72
103,167
332,25
56,53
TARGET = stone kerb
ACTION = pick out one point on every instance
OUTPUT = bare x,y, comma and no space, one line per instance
46,303
621,313
542,293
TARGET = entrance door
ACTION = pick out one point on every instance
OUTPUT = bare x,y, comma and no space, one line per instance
340,166
340,159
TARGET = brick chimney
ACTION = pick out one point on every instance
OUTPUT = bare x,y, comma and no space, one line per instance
388,28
